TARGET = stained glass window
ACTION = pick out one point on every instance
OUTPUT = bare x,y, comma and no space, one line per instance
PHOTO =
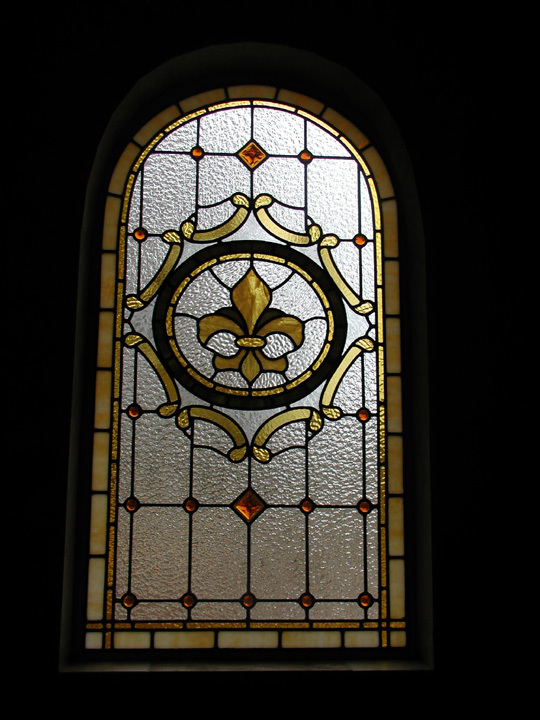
247,487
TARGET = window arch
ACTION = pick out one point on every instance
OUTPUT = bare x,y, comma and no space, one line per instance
247,449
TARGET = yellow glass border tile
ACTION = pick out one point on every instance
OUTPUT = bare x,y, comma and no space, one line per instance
393,401
390,226
93,641
100,461
148,131
361,639
380,172
113,208
396,537
96,586
134,640
393,345
108,281
302,101
311,639
206,98
174,640
396,572
391,294
351,131
266,92
105,339
102,417
249,639
123,166
395,464
98,524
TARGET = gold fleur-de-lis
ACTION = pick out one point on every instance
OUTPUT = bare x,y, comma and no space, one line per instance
251,321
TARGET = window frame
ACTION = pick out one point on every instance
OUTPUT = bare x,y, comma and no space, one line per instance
352,99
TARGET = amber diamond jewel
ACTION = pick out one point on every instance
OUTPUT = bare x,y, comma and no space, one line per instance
252,155
249,505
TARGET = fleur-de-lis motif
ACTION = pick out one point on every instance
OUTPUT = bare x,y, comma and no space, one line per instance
251,322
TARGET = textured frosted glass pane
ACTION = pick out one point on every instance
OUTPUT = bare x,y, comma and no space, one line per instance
368,272
278,611
221,177
232,272
157,481
153,254
366,209
372,553
150,394
283,178
159,563
277,554
183,139
132,272
290,218
336,557
209,218
203,295
123,549
347,260
215,478
333,196
335,461
225,132
135,206
219,554
283,479
278,132
320,142
286,298
218,611
336,611
158,611
372,459
168,192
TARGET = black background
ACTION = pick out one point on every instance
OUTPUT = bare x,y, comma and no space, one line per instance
445,77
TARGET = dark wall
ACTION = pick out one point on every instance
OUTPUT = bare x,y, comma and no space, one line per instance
439,77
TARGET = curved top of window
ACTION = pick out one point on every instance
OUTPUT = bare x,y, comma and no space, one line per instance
247,490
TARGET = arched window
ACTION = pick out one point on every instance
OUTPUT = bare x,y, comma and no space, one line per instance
247,489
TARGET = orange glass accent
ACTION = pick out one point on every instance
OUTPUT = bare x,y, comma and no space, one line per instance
132,504
306,600
305,155
134,411
364,506
128,601
249,505
197,152
140,234
306,505
363,414
188,600
191,505
248,600
360,240
252,155
365,600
